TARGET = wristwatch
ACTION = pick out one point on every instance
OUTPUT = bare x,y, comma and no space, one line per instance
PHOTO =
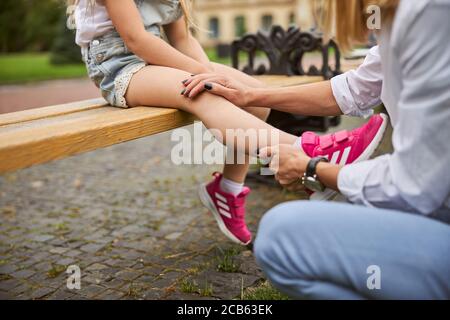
310,179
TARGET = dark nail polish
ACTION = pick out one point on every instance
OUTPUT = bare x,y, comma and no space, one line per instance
183,91
192,75
208,86
257,152
184,81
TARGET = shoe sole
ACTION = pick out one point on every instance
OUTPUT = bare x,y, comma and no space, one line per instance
370,150
209,204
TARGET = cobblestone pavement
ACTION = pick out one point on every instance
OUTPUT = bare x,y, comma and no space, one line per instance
131,221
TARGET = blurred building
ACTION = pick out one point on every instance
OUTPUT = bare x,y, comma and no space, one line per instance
227,19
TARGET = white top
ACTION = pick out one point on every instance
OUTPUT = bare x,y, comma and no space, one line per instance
410,73
91,22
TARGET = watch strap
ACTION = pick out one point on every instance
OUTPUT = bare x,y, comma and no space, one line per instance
312,166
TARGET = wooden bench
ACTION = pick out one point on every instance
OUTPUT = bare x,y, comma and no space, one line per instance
40,135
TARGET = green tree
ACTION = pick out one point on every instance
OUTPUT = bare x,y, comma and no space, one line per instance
64,50
12,15
29,24
41,23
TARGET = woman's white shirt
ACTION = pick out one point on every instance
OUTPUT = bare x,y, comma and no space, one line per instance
410,73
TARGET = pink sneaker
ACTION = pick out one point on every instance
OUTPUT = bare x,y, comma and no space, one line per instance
229,210
345,147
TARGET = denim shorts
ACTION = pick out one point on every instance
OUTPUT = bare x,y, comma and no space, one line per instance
111,66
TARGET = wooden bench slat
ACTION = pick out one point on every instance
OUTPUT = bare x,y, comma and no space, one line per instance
52,111
65,118
285,81
23,148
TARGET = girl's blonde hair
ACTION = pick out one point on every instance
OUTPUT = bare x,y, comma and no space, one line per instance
185,6
347,19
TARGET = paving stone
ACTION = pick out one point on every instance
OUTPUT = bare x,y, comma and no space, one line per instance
95,277
41,293
131,255
23,274
120,263
43,237
166,280
66,261
79,297
8,268
6,296
22,288
73,253
41,276
114,283
59,242
61,295
110,295
40,256
75,244
96,267
147,278
91,290
127,275
153,294
59,250
173,236
9,284
43,265
110,272
91,247
32,245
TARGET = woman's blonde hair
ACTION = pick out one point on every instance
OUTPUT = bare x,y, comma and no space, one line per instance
185,6
347,19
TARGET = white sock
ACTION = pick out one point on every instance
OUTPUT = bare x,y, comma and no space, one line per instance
298,143
232,187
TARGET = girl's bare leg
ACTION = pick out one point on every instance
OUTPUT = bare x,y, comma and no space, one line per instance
238,172
161,87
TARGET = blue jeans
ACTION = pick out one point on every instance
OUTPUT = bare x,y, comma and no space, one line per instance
323,250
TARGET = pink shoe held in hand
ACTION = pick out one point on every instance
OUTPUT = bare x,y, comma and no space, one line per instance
345,147
227,209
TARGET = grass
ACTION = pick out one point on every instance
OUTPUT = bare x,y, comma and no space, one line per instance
226,261
212,55
61,227
190,286
264,291
207,290
30,67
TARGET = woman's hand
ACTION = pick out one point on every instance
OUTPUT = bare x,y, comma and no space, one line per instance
288,163
231,89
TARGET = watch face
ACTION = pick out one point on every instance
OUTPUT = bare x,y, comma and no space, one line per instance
312,184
